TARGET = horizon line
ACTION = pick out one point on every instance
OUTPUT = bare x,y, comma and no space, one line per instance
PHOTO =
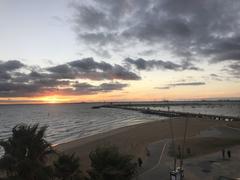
133,101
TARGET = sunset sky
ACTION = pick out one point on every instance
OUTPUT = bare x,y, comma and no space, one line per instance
118,50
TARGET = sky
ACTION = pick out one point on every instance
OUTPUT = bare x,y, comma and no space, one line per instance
119,50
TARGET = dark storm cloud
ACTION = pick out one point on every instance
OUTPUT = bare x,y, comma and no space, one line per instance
169,86
62,79
188,28
142,64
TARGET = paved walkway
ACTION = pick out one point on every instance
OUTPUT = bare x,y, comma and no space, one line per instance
212,166
153,167
208,167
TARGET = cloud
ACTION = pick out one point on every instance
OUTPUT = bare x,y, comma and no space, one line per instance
7,67
89,69
18,101
188,84
216,77
233,69
169,86
188,28
10,65
36,89
164,87
11,89
142,64
19,80
147,52
86,88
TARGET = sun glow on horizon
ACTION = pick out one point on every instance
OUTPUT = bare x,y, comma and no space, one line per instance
53,99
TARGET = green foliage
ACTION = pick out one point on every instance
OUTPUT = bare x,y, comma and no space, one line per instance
109,164
25,153
67,167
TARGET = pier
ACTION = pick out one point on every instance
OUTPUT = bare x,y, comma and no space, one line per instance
168,113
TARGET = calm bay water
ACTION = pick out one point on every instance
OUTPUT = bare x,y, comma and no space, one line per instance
68,122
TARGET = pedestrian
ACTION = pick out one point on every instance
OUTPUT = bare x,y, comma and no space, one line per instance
229,154
140,162
223,154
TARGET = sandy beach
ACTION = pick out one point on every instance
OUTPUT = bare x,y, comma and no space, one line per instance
135,139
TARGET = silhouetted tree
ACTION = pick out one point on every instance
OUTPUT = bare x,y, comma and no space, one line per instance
109,164
25,153
67,167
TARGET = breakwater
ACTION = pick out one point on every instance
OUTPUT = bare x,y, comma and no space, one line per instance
168,113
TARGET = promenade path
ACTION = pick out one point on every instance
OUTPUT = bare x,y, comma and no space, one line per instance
153,167
213,167
207,167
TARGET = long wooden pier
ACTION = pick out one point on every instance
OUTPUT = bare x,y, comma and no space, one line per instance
170,113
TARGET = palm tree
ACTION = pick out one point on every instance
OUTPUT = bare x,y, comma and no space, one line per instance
67,167
25,153
109,164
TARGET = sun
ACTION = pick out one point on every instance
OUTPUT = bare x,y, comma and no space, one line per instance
51,99
55,99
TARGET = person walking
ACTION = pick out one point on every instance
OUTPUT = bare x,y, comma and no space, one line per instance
223,154
229,154
140,162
